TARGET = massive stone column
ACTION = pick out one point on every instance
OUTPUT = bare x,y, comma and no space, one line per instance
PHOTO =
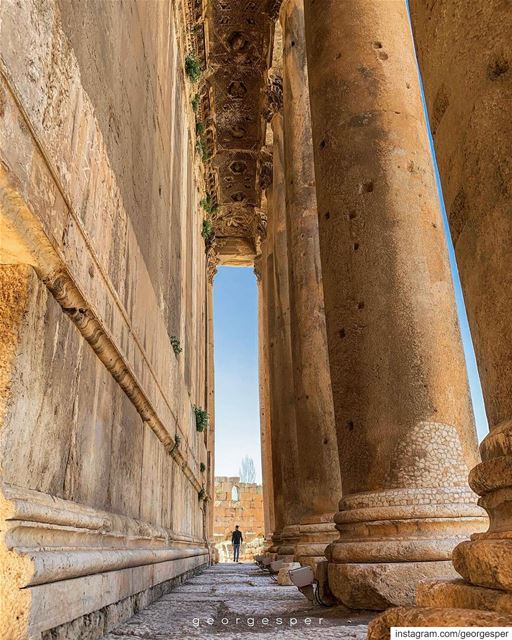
319,472
405,427
469,110
285,464
263,349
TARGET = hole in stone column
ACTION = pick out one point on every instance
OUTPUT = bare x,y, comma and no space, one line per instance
350,425
360,305
352,215
377,45
497,68
322,144
327,215
338,56
342,333
326,440
366,187
356,246
293,43
383,55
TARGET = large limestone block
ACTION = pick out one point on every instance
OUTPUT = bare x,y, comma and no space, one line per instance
379,628
283,577
458,594
381,585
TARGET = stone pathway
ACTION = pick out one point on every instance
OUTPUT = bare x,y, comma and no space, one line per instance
231,601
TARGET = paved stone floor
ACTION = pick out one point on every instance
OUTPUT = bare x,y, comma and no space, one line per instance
231,601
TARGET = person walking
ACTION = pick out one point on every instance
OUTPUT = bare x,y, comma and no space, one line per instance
236,539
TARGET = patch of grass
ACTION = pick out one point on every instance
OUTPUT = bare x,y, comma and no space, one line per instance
202,467
201,418
192,67
208,204
202,149
207,230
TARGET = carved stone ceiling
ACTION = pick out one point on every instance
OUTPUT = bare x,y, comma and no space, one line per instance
239,36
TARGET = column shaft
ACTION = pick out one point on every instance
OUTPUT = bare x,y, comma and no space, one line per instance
285,464
266,442
319,472
469,111
405,426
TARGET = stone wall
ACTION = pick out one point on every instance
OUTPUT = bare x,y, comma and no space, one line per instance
101,262
247,512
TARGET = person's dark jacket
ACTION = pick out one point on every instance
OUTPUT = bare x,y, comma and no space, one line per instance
236,537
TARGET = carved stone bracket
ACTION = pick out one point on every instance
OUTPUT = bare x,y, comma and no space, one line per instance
265,168
273,96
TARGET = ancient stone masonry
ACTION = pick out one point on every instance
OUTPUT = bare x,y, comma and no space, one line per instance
142,145
238,503
102,262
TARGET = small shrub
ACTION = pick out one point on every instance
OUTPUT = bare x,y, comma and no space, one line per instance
199,128
208,204
202,149
176,346
202,467
201,418
207,231
195,103
192,67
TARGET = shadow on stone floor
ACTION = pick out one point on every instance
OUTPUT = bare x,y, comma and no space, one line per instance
239,600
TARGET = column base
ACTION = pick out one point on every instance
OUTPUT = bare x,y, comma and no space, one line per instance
457,594
379,628
316,534
378,586
289,537
392,539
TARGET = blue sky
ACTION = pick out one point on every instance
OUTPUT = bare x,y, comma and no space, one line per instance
237,420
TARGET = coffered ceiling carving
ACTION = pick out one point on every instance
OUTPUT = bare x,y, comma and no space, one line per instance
238,51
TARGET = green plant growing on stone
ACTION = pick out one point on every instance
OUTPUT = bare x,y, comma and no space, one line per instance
208,204
195,103
202,149
207,231
202,467
199,128
192,67
201,494
201,418
176,345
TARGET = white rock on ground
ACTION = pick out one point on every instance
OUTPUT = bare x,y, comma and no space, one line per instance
231,601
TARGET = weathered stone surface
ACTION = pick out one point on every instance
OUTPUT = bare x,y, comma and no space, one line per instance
98,505
382,585
410,617
283,577
457,594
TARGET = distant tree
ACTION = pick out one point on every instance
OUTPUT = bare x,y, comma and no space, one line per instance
247,471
